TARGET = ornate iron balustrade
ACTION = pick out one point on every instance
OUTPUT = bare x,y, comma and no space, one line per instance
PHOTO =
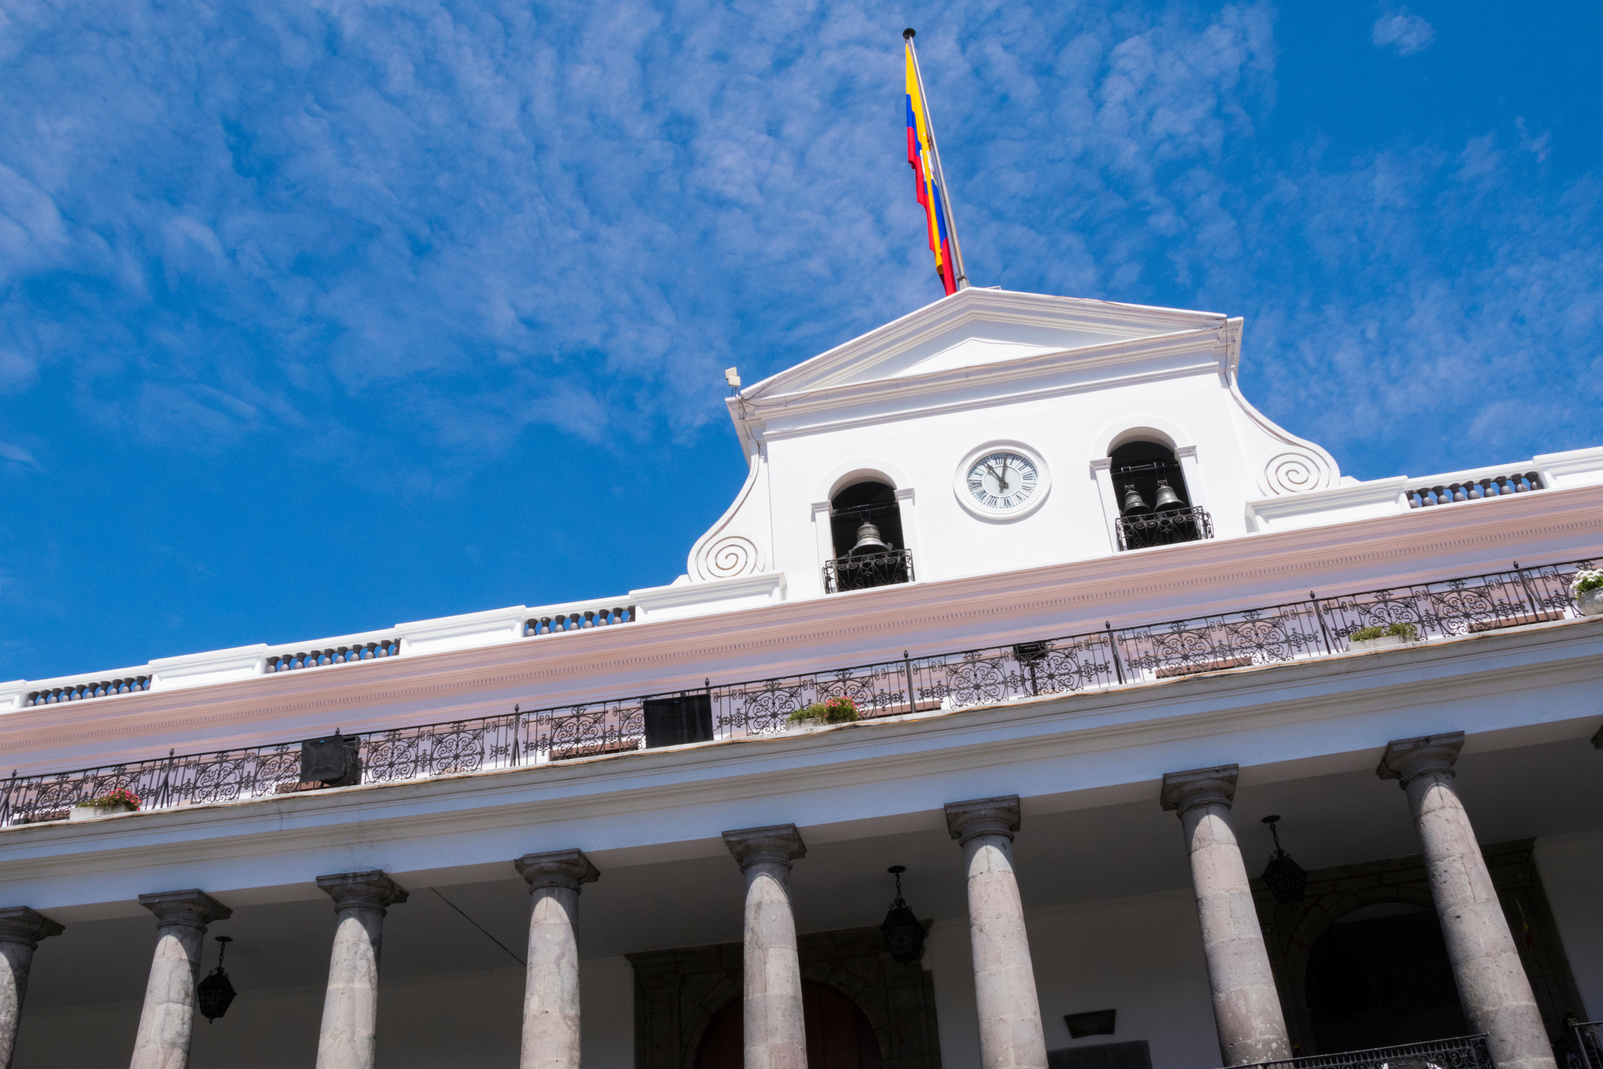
1463,1052
869,570
1582,1047
1190,524
1093,660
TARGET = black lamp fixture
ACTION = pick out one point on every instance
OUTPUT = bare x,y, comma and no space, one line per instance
215,992
1285,878
904,935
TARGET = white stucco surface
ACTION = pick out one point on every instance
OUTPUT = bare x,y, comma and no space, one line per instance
1572,874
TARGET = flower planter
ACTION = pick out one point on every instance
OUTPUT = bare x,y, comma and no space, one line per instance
1384,642
95,812
1590,602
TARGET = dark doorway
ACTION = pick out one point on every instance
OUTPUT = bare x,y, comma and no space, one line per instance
838,1034
1380,976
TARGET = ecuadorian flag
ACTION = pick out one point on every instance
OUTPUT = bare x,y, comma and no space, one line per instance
921,156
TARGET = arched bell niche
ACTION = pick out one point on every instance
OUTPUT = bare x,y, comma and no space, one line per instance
1155,505
865,526
1145,467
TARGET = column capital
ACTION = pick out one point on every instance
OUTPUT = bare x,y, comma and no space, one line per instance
777,844
983,816
190,909
1406,758
1199,786
557,868
362,890
19,924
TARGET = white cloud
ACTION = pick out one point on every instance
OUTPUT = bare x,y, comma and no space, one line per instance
1408,34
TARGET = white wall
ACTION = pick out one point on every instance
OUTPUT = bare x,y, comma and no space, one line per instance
461,1021
1571,867
1139,956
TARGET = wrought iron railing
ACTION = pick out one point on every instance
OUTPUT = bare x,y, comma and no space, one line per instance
1462,1052
1092,660
869,570
1582,1046
1191,524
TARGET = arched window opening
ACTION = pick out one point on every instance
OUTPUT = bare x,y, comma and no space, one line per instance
1155,506
865,526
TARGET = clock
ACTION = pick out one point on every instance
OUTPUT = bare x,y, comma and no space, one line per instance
1001,481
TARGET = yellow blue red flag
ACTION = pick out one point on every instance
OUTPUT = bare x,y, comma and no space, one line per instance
921,155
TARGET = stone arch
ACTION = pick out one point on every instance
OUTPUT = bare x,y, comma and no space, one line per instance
1324,911
701,1013
863,996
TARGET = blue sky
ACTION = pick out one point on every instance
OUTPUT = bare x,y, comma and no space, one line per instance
310,314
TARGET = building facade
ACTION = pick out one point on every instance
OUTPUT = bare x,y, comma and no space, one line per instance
1098,620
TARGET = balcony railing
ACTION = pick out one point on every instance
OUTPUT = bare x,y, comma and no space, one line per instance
869,570
1088,661
1463,1052
1582,1046
1164,528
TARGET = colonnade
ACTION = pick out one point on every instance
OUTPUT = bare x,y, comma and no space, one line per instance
1492,984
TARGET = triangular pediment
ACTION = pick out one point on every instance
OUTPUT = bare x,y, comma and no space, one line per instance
979,327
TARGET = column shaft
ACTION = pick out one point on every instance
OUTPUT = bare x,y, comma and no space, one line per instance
1004,976
167,1020
775,1034
349,1035
1492,985
551,985
20,931
1246,1005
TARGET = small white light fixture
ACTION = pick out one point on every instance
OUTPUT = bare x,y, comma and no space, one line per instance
732,376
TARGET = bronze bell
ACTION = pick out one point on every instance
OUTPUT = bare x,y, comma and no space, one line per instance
868,541
1133,501
1168,500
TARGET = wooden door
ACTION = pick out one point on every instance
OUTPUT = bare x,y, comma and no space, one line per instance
838,1034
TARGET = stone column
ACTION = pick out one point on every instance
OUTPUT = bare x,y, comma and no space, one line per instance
551,986
1246,1006
1492,985
349,1037
20,931
168,1018
1004,978
775,1035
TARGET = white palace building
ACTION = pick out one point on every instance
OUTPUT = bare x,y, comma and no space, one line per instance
1102,623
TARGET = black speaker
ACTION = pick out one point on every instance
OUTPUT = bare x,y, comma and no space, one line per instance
334,761
675,721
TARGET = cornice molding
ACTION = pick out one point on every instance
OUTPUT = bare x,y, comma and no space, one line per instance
997,741
1189,579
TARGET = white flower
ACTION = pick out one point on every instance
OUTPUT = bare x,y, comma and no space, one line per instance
1586,579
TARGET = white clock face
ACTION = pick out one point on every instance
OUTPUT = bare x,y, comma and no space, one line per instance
1002,482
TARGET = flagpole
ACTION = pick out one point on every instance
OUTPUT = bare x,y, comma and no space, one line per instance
959,275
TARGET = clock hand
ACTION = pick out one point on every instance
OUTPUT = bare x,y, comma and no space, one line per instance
1004,476
1001,480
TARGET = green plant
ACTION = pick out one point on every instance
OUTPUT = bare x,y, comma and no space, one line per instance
1586,579
120,796
833,711
1365,634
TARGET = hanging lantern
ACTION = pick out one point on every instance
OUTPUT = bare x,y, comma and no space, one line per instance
215,993
1285,878
904,935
